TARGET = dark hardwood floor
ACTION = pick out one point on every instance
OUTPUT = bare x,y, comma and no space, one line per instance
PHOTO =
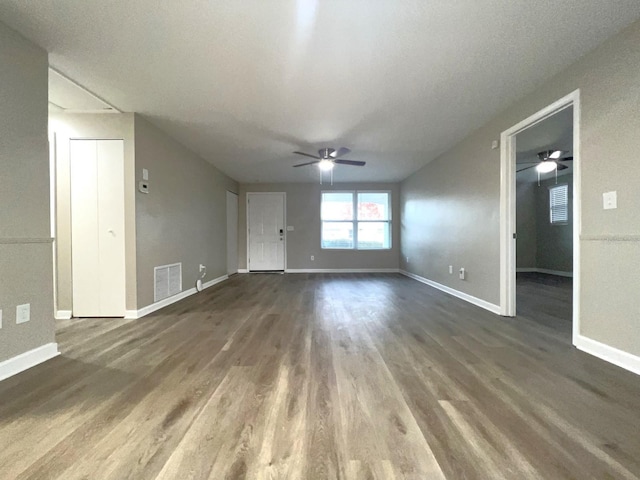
324,376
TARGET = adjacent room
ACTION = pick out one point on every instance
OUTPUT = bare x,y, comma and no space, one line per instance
319,240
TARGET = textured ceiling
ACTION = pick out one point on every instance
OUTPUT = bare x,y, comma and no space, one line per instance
245,83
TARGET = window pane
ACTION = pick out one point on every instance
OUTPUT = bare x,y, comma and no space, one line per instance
374,235
337,206
373,206
337,235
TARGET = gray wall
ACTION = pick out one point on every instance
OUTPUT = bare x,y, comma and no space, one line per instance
526,223
554,242
26,272
303,213
541,244
461,188
62,128
183,217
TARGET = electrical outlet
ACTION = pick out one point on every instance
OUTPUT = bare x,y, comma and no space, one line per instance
407,259
462,274
202,267
23,313
450,269
313,258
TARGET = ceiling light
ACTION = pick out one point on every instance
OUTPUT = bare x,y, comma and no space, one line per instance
325,165
546,166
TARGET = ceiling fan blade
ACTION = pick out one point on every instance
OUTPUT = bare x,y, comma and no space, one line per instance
308,163
341,152
561,167
526,168
307,155
355,163
566,159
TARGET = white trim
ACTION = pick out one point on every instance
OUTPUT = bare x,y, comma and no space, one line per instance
29,359
135,314
559,273
456,293
508,206
342,270
63,315
609,354
243,270
284,227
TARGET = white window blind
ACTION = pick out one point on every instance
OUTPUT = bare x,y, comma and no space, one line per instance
559,204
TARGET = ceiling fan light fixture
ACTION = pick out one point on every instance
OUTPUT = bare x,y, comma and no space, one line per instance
546,166
556,154
325,165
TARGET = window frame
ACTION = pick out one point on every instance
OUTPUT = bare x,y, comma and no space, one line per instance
550,196
354,221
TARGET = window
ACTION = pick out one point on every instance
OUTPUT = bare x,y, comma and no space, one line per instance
559,204
356,220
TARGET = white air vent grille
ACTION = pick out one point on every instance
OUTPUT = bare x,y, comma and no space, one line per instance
167,281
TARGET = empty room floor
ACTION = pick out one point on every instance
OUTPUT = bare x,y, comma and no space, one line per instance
320,376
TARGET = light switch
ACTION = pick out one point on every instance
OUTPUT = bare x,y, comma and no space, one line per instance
289,228
610,200
145,174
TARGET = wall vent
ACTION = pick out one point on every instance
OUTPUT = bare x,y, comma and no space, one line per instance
167,281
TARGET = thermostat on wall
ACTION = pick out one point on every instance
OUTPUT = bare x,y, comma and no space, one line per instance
143,186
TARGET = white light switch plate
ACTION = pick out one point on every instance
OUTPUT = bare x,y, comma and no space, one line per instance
145,174
23,313
289,228
610,200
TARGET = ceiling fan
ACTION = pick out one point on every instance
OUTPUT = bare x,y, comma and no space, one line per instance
329,157
548,161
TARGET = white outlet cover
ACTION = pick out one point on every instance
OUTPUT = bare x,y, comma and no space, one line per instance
610,200
23,313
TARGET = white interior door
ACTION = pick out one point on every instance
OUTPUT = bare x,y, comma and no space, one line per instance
97,227
265,222
232,233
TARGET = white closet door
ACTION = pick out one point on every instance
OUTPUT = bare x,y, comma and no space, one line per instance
111,227
84,227
97,227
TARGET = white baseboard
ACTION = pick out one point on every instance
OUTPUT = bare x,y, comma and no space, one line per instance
63,315
559,273
134,314
610,354
342,270
456,293
243,270
29,359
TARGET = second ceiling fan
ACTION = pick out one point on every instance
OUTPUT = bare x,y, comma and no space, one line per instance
548,161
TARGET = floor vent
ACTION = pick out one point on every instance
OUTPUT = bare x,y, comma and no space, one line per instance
167,281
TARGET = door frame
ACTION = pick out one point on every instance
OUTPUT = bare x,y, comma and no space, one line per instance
508,206
284,221
237,204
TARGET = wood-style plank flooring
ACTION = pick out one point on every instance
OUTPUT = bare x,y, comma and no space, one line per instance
324,376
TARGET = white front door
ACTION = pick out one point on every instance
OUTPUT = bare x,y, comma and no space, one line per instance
266,229
97,228
232,233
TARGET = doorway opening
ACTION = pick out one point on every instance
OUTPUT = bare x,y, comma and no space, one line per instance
540,213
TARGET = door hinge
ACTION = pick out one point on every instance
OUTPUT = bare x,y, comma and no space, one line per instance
515,236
